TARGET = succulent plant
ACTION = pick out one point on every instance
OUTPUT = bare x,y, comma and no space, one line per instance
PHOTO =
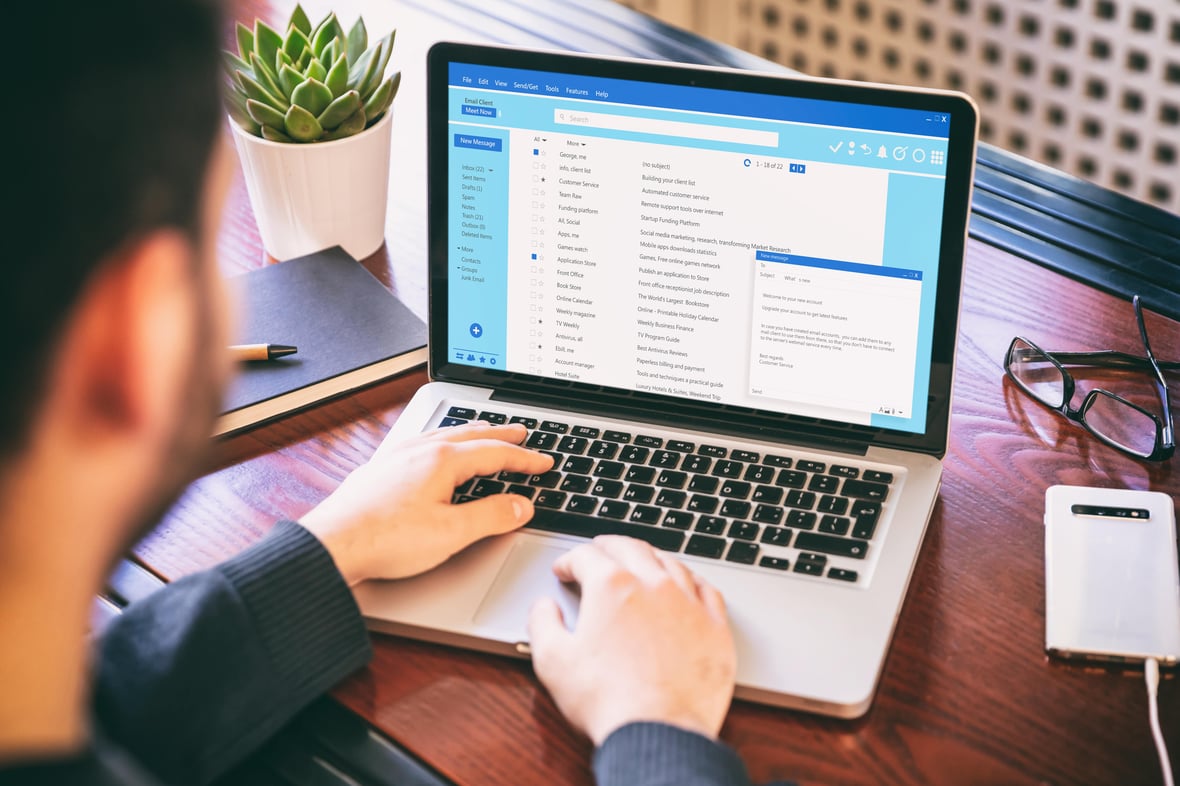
314,84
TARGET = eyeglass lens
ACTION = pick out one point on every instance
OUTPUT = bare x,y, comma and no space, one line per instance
1120,424
1039,376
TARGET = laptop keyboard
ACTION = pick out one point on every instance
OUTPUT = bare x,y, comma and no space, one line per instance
773,511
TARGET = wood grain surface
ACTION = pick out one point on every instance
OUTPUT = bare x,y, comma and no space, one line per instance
967,696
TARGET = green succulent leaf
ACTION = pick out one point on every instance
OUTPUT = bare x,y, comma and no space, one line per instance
312,95
316,70
266,41
380,100
234,63
289,79
300,21
236,106
385,49
274,135
264,74
324,34
330,52
353,125
340,110
296,43
301,125
282,59
259,93
358,40
245,40
265,114
302,61
337,80
356,73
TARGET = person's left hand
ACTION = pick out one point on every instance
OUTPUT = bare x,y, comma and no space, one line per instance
393,517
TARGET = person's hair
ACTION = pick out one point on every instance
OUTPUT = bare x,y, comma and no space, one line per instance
112,115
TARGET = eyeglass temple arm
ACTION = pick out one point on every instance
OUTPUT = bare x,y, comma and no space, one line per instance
1106,357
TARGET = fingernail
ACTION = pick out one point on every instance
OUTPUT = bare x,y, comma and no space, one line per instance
518,508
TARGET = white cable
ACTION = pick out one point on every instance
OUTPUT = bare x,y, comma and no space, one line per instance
1151,674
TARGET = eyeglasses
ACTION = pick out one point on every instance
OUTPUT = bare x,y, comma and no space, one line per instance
1109,417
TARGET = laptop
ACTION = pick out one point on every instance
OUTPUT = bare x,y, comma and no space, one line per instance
726,302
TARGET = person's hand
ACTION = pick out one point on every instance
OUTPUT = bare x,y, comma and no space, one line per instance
393,517
652,642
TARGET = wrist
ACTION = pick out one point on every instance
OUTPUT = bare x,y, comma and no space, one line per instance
337,543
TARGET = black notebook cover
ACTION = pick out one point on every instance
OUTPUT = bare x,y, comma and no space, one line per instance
350,331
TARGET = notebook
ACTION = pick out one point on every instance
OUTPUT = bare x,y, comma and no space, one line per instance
726,302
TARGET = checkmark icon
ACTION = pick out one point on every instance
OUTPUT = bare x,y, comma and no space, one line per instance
836,147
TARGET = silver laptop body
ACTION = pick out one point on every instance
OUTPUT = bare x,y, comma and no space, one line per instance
731,299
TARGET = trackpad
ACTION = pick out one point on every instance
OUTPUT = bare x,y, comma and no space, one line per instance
526,575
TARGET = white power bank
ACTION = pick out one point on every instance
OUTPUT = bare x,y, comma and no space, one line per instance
1112,589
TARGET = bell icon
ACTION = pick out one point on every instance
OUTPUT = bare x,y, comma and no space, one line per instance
881,153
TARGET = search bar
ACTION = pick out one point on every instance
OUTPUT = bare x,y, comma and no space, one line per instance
648,125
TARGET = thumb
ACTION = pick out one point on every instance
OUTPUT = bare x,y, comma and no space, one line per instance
548,636
494,515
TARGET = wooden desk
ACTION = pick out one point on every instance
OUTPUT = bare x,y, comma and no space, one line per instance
967,695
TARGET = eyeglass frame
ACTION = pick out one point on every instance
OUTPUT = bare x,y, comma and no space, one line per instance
1165,444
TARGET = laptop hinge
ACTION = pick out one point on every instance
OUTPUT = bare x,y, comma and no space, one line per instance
711,417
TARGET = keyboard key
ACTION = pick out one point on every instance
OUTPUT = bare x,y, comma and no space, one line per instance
728,469
768,494
778,461
811,466
646,514
878,477
811,564
713,450
554,426
826,483
639,493
745,553
758,473
588,526
463,413
775,563
866,515
493,417
649,442
584,431
529,423
865,490
578,484
610,469
672,479
696,463
829,504
735,489
865,507
607,488
634,455
616,436
681,446
572,445
705,546
580,465
791,479
640,474
550,499
703,484
768,514
485,487
539,440
546,480
522,490
671,499
735,509
665,459
603,450
712,525
615,509
581,504
744,455
844,471
840,574
466,487
801,519
743,530
678,519
803,500
837,525
830,544
776,536
701,503
513,477
448,422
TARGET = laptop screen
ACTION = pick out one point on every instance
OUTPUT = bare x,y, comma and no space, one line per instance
775,246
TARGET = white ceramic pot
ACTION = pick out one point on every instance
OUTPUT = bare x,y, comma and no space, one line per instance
311,196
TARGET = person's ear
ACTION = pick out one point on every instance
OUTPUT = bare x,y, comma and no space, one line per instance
126,351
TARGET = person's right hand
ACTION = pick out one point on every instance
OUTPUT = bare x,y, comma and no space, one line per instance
652,642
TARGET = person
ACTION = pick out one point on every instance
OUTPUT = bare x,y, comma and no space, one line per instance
112,308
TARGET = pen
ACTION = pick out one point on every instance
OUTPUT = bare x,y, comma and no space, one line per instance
248,352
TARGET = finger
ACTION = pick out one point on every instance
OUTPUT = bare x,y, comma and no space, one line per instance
587,566
486,456
713,599
548,637
684,578
478,429
636,556
492,515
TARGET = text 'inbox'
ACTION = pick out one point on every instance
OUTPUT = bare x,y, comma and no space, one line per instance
835,335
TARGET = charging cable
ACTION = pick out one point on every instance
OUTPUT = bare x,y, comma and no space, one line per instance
1151,674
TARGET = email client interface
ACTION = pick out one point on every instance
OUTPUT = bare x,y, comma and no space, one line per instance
763,251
